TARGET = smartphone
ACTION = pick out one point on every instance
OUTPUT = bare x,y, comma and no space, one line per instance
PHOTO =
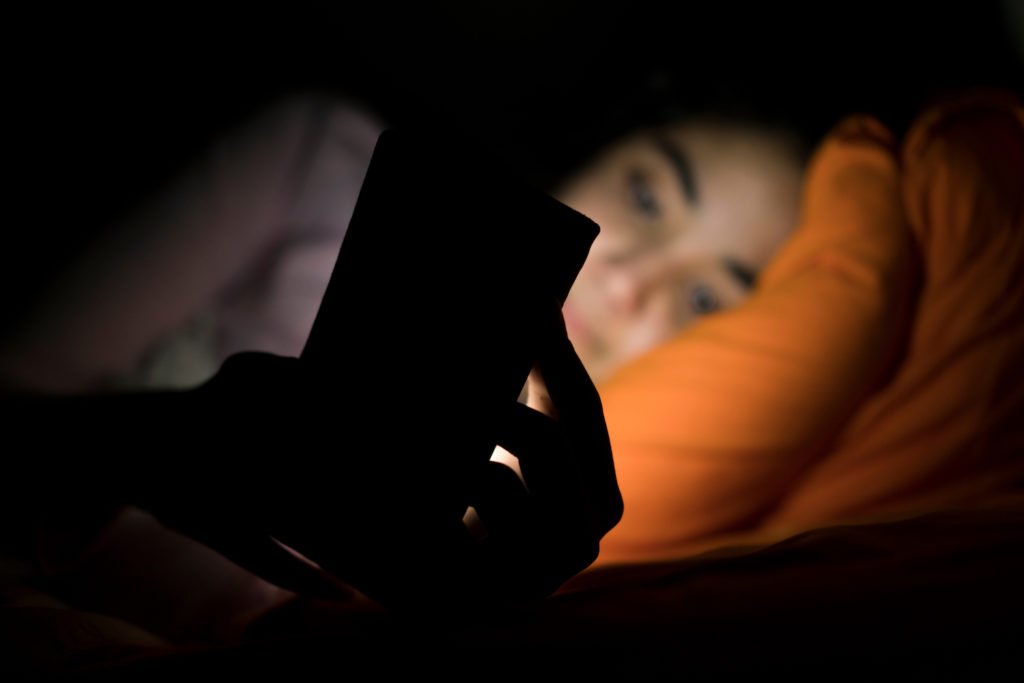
433,314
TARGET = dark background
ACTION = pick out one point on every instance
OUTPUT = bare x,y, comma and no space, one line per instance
104,105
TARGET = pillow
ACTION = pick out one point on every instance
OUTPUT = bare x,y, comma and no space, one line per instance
948,428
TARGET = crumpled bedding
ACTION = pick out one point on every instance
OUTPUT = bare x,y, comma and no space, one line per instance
936,596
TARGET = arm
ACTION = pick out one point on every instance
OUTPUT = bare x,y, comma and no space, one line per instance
244,462
89,473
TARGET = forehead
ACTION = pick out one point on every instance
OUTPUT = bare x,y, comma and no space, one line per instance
734,157
749,186
717,142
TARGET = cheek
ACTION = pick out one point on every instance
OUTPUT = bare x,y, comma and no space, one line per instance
584,311
755,228
661,323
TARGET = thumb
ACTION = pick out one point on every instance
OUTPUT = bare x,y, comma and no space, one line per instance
275,562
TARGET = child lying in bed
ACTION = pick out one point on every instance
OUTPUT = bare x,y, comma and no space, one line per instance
871,371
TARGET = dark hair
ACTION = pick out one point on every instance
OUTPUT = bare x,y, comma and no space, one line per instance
790,68
660,99
768,105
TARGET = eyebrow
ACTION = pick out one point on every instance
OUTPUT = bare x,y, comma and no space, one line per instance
681,165
741,273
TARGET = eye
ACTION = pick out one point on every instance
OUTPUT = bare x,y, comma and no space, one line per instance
703,300
642,196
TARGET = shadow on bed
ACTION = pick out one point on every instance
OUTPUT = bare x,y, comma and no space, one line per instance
930,597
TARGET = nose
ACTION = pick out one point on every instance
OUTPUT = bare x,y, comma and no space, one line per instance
642,302
624,291
629,281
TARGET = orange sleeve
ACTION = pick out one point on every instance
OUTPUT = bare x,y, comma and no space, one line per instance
712,429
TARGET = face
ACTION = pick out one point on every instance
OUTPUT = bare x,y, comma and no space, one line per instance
689,215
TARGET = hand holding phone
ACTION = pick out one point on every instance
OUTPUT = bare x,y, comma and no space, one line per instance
445,293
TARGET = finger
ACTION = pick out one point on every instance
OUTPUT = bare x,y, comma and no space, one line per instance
250,370
533,564
540,445
537,396
523,431
560,376
578,404
500,499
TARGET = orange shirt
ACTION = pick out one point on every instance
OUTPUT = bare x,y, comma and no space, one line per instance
875,371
